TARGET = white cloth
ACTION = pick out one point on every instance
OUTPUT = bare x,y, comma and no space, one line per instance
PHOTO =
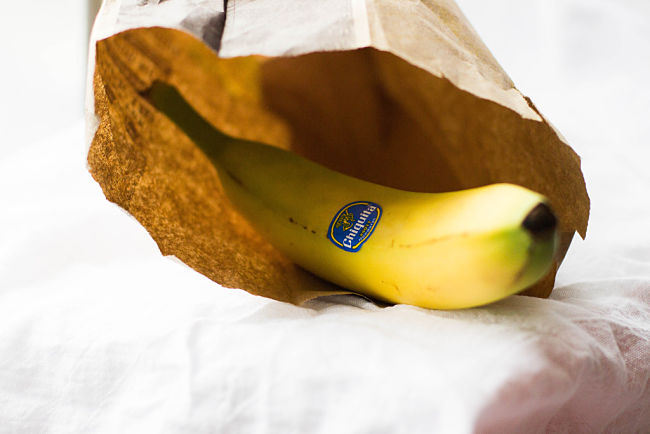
100,333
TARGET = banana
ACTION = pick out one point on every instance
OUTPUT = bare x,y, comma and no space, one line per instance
435,250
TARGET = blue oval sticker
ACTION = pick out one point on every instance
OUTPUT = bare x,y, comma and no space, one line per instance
353,225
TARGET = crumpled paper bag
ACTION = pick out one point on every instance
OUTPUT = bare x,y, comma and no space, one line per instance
404,94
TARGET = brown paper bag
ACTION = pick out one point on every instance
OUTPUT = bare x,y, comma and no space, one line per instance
403,94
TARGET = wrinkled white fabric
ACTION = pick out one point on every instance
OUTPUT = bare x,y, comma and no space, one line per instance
100,333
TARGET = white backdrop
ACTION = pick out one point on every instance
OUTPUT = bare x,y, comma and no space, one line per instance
99,333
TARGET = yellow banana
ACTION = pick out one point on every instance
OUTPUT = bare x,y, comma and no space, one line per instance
435,250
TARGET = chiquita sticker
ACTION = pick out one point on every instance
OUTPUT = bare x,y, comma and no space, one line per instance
353,225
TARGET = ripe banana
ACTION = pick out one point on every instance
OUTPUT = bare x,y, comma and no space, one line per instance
435,250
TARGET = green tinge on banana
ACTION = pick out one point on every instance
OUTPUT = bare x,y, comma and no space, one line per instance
435,250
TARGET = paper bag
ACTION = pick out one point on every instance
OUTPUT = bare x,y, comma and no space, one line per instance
399,93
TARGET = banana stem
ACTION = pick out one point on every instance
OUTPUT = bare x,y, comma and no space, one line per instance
169,101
